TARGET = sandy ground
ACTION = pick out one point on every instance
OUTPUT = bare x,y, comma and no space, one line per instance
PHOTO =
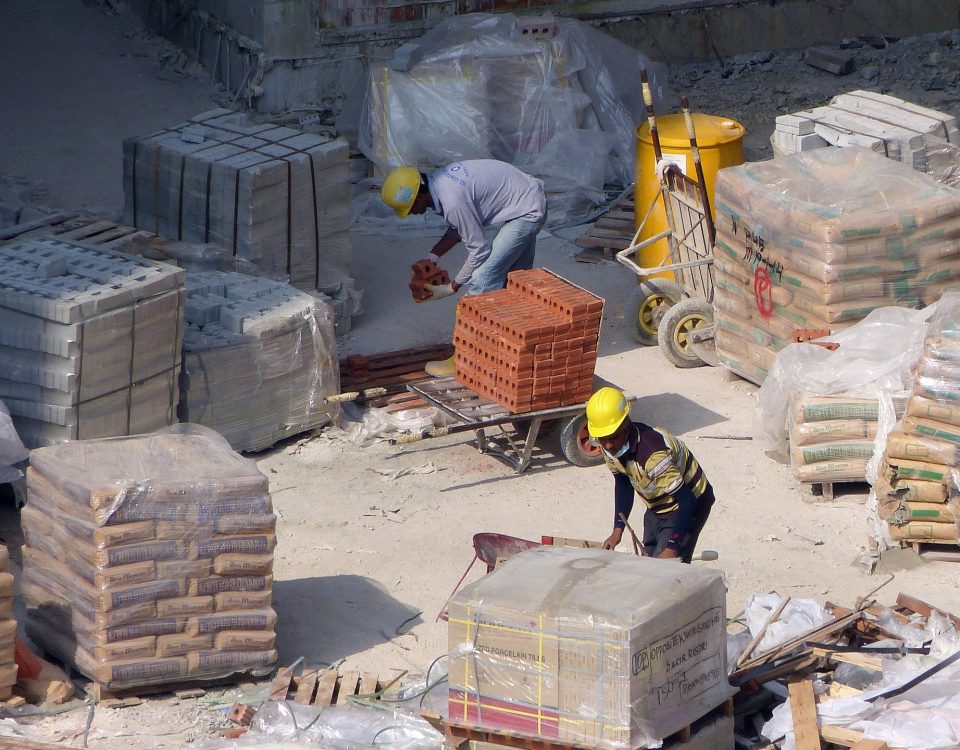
365,562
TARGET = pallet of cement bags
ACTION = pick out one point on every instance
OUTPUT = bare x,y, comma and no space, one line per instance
148,560
917,480
821,239
269,194
89,341
259,359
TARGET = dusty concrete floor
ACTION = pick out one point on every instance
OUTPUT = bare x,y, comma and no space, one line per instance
364,563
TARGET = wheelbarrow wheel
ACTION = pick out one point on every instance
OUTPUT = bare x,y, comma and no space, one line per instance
575,442
679,321
646,307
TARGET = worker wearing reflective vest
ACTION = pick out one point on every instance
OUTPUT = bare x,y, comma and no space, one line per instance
660,469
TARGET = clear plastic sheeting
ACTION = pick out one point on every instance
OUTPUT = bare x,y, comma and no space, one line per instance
799,616
478,87
589,647
819,240
365,426
259,359
12,450
876,355
149,559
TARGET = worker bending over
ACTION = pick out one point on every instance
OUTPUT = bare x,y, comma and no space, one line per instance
471,196
662,471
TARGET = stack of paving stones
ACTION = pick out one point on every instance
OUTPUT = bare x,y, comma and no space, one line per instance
530,346
273,195
148,560
426,273
90,341
918,474
8,628
258,359
820,240
906,132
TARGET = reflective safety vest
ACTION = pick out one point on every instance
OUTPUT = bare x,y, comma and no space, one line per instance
657,475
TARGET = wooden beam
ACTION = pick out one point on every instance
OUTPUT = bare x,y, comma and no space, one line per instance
858,659
803,708
870,745
840,735
922,608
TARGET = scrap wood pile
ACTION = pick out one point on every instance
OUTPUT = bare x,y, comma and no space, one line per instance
876,677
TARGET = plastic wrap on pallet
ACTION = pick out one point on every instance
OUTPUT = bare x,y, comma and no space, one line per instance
478,87
588,648
149,559
916,486
814,395
820,240
12,450
259,359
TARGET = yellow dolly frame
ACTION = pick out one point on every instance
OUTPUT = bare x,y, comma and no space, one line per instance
677,312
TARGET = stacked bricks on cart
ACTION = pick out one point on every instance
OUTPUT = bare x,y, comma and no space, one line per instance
8,628
917,136
917,482
831,437
426,273
532,345
90,341
588,649
148,560
272,195
819,240
258,359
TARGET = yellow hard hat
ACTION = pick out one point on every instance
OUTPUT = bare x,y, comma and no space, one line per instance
606,410
400,189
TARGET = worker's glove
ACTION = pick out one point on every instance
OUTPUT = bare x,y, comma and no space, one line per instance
662,166
432,256
439,291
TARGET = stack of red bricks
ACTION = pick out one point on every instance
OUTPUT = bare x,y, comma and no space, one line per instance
426,273
532,345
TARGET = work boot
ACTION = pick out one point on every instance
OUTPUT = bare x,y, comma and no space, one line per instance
442,368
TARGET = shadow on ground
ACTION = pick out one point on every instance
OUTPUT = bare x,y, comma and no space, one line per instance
328,618
674,412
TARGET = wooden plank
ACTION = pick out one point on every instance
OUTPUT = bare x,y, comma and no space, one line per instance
368,683
866,744
348,687
16,230
308,684
864,660
803,708
620,243
922,608
82,233
840,735
281,684
326,685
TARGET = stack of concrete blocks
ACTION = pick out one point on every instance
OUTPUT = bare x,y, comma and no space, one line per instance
916,485
148,560
258,359
530,346
89,341
578,647
819,240
906,132
272,195
831,437
8,628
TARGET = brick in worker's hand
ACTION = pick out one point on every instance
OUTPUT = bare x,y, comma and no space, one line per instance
426,273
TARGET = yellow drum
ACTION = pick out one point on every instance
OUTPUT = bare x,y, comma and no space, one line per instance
721,145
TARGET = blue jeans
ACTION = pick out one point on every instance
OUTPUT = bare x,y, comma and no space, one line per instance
513,249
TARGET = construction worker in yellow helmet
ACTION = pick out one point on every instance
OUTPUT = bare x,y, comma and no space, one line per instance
472,196
655,465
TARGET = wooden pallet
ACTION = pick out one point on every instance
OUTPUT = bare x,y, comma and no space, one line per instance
99,692
328,687
391,371
830,490
90,230
459,734
612,232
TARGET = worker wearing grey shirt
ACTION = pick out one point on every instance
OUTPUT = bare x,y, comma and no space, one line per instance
472,195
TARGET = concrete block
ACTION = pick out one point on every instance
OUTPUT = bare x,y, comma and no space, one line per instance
838,62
